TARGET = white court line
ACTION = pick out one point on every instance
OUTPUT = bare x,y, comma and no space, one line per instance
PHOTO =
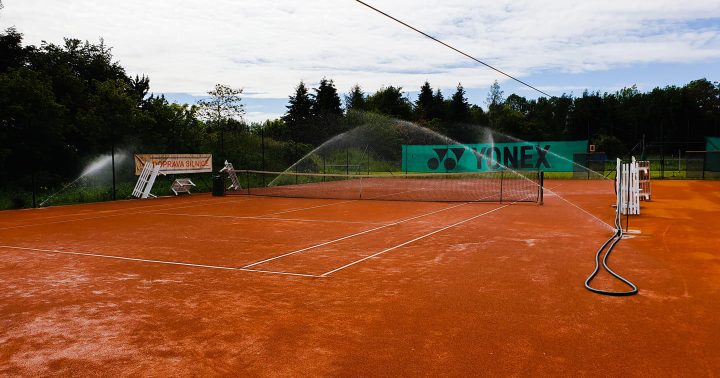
269,218
352,235
578,207
303,208
157,261
92,204
326,274
412,241
105,216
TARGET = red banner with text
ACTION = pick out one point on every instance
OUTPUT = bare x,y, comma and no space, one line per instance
175,163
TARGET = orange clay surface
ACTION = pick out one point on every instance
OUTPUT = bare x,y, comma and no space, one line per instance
188,287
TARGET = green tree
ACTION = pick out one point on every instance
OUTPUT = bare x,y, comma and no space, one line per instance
390,101
457,124
298,115
326,112
494,102
32,144
223,106
12,53
172,128
459,106
276,129
425,103
438,110
356,99
495,96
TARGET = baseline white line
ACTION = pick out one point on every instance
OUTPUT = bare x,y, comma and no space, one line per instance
352,235
412,241
91,204
268,218
55,251
101,217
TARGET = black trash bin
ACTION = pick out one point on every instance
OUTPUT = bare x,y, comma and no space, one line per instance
218,188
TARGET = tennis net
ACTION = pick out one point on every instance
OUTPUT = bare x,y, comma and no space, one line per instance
434,187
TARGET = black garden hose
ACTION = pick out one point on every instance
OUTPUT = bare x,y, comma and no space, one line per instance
611,242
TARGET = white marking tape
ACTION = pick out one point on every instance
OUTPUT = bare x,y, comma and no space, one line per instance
157,261
412,241
351,236
105,216
269,218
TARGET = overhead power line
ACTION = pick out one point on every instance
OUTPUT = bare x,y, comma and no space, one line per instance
451,47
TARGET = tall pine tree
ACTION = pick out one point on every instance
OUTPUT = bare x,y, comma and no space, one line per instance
299,112
459,106
326,112
356,99
425,103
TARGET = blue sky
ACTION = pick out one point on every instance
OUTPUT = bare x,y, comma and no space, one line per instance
268,47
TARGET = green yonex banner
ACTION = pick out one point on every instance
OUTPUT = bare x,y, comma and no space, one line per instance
545,156
712,160
712,143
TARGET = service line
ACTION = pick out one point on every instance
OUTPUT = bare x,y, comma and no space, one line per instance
413,240
353,235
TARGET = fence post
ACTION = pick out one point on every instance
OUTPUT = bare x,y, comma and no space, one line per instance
662,167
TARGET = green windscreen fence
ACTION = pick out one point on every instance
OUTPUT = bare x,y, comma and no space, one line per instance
553,156
712,160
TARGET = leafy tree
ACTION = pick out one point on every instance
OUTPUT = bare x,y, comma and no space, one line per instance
223,106
702,108
495,96
275,129
31,129
12,53
478,115
390,101
517,103
494,102
172,128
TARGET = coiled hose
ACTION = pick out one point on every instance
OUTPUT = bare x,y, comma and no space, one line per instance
611,242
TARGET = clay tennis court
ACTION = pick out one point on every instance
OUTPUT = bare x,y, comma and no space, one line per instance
258,286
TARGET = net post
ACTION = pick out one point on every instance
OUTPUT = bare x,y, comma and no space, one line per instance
502,175
368,161
405,158
347,161
247,181
542,187
262,152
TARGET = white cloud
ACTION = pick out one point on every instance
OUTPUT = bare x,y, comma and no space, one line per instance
267,47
